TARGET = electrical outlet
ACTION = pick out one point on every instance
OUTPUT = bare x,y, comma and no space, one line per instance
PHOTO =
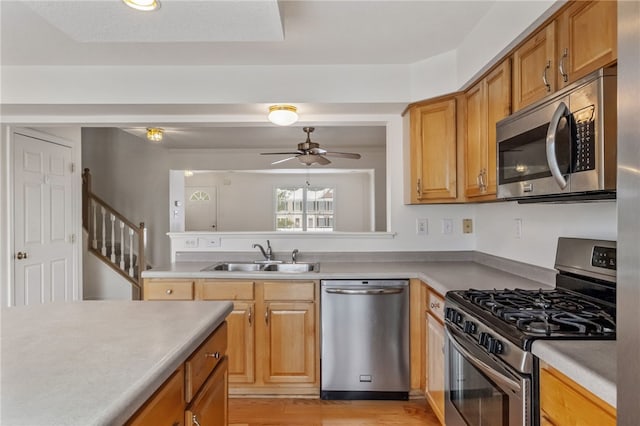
191,242
447,226
211,242
517,228
467,226
422,226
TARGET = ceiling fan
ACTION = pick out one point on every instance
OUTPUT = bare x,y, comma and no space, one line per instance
309,152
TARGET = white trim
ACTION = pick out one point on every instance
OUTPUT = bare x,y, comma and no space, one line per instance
286,234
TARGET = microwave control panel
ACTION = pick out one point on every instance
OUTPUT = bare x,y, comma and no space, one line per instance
584,146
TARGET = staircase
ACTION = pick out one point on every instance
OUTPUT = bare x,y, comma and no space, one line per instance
112,238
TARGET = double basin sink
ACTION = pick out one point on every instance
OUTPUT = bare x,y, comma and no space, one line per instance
263,267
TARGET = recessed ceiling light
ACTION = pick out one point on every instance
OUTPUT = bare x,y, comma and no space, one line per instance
283,115
144,5
155,134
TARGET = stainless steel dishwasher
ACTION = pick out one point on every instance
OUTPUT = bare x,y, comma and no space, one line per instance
365,339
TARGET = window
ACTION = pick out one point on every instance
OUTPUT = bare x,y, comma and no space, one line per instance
199,196
304,209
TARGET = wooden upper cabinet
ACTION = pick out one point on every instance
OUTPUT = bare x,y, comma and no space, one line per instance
534,68
487,102
587,39
433,151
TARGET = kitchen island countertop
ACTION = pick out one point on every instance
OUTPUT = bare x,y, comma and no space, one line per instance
95,362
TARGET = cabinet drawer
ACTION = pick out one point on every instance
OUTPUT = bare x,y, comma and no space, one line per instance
300,290
166,406
227,290
204,360
435,304
168,290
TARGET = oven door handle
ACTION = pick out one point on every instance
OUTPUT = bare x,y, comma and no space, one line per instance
500,379
552,159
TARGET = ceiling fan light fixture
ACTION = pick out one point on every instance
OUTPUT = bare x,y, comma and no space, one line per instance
155,134
283,115
144,5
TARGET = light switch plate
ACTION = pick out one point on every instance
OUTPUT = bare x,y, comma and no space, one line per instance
447,226
422,226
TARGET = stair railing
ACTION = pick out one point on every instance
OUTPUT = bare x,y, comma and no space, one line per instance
112,238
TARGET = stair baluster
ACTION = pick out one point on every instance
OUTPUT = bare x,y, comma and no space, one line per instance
110,250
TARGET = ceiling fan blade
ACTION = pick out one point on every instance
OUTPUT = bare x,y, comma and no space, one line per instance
283,160
282,153
322,161
344,155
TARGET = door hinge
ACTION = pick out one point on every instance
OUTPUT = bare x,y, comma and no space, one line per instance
72,238
73,167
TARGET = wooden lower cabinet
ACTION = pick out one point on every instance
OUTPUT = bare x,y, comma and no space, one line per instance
273,335
563,402
434,390
290,343
199,388
210,407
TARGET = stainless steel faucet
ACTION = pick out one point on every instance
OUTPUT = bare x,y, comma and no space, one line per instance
294,254
268,253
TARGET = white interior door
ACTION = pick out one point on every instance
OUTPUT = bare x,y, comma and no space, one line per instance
43,240
201,212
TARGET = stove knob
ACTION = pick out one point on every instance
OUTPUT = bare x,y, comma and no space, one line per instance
485,340
470,327
453,315
496,346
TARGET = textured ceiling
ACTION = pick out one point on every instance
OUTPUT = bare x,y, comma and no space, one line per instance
213,32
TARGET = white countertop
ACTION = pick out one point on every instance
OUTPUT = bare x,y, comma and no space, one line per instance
441,276
591,364
95,362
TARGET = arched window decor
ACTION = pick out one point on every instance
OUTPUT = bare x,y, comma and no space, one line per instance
199,196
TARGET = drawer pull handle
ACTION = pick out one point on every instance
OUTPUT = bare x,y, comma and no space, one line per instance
215,355
435,305
194,419
169,291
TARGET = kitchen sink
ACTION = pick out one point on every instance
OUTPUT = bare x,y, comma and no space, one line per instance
263,267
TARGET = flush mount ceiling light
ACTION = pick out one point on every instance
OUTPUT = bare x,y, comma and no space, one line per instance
144,5
155,134
283,115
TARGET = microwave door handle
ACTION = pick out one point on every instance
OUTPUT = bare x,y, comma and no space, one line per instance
552,159
483,367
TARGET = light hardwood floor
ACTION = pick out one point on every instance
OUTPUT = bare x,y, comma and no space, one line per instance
272,412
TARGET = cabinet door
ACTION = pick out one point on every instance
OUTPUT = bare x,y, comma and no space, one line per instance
534,68
241,343
498,93
290,342
435,363
563,402
166,406
433,151
211,404
475,143
588,38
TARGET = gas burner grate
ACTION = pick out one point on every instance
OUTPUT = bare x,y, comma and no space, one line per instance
545,312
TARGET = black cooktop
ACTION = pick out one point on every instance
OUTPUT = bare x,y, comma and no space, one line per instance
546,312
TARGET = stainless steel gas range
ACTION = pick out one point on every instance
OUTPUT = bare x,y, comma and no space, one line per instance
491,375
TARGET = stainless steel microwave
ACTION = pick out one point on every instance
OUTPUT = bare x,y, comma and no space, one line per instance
562,147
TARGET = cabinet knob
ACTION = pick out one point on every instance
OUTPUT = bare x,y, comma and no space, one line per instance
169,291
215,355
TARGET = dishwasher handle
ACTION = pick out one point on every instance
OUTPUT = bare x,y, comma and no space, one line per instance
368,291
